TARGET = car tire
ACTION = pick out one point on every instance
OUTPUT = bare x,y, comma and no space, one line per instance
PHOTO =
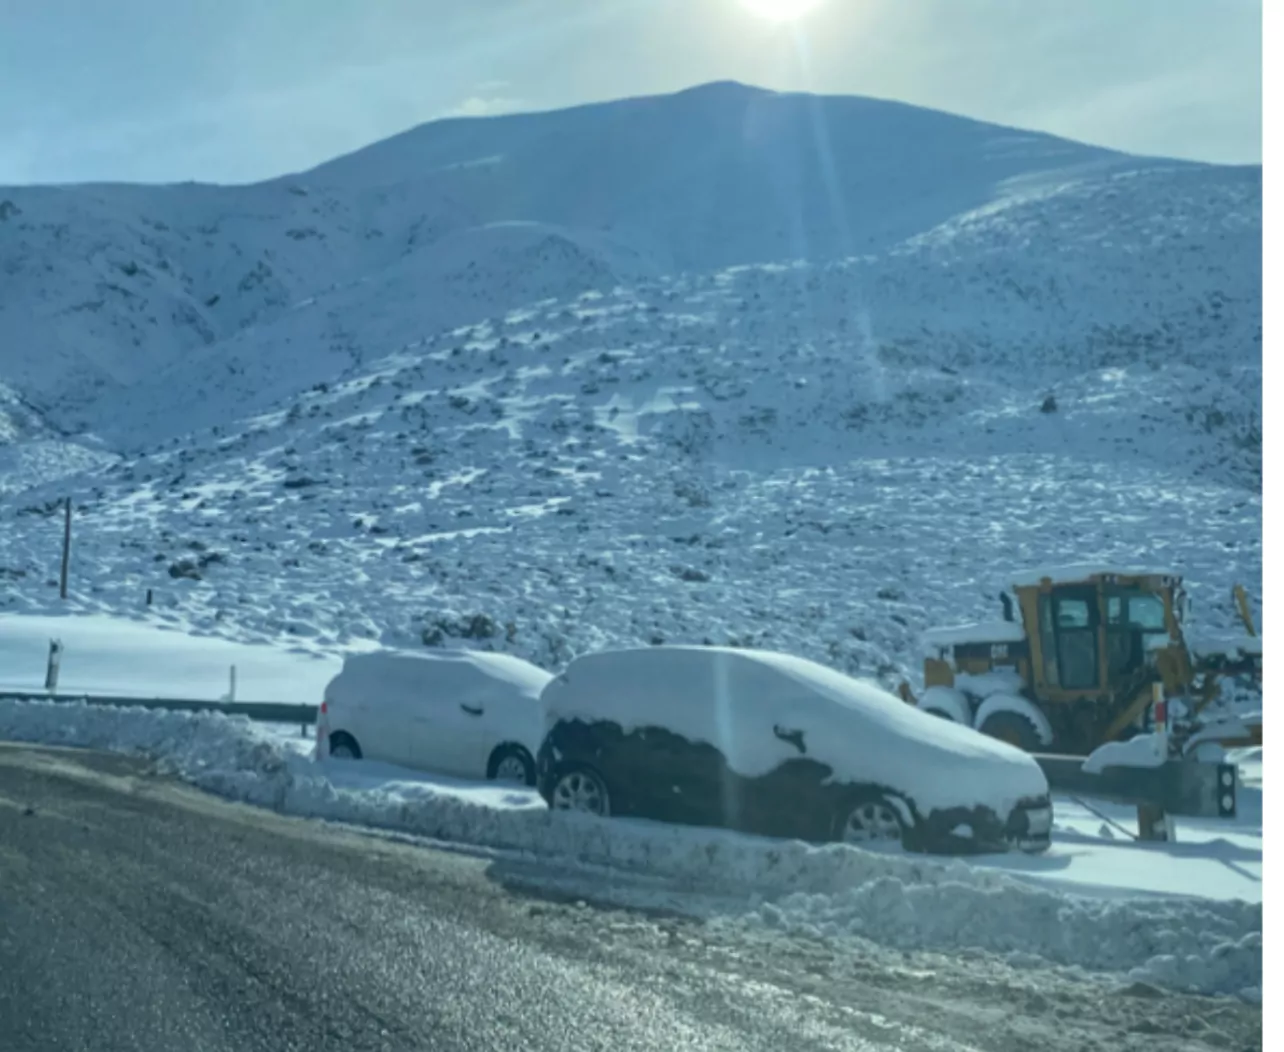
343,746
511,763
871,819
1036,847
577,787
1013,728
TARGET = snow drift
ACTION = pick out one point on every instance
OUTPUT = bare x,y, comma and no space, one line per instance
832,891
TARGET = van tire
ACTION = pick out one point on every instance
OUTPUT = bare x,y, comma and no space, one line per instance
343,746
508,758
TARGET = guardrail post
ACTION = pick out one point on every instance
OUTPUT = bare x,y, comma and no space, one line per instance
1154,824
53,665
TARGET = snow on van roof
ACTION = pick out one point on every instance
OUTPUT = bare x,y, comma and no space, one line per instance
748,702
1085,571
450,666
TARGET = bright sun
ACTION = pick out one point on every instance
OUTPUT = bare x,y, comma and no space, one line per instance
781,10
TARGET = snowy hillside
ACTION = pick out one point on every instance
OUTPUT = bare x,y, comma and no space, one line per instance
453,221
32,452
535,383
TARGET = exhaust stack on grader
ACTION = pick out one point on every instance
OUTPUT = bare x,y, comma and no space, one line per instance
1080,658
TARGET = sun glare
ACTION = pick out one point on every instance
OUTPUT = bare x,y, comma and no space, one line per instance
781,10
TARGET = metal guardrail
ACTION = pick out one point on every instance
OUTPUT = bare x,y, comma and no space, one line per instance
1185,787
263,712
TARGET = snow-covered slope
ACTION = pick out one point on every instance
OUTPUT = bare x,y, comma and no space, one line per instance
668,464
105,284
538,384
32,452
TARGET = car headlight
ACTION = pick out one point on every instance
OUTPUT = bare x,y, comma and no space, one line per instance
1038,821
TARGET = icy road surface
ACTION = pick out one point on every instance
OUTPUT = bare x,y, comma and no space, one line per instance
140,914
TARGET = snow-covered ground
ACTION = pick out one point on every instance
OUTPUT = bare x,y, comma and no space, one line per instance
789,886
648,371
141,659
32,453
1094,851
714,441
1208,944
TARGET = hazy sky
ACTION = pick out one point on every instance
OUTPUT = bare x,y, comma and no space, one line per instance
237,90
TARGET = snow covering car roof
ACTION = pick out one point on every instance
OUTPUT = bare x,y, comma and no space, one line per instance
468,671
735,698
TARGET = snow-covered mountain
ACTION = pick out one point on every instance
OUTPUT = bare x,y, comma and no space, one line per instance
109,285
808,373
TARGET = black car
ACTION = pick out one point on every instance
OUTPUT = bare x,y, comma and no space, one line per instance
776,745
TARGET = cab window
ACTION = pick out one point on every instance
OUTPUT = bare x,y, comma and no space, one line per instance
1142,612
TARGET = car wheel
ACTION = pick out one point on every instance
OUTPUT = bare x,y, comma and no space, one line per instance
344,746
870,821
580,789
1013,728
511,763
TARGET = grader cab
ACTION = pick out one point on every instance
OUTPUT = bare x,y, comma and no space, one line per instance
1080,658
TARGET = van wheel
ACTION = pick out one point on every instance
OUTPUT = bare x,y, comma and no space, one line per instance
343,746
511,763
870,820
580,789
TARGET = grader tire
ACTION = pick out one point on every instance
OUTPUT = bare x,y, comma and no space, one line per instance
1013,728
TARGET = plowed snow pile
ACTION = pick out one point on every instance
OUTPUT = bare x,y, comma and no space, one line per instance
831,891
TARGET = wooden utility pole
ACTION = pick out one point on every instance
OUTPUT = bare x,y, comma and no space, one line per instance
66,549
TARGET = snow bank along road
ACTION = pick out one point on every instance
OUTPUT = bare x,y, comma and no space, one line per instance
838,894
137,913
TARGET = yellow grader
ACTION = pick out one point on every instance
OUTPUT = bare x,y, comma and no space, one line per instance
1085,656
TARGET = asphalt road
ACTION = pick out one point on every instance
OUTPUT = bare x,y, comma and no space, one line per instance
138,914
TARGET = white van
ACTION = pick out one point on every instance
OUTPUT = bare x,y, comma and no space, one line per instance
463,713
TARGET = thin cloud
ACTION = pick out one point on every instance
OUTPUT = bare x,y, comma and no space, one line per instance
485,106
